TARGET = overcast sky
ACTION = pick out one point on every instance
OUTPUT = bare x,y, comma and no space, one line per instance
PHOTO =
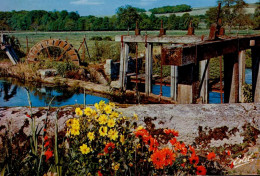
97,7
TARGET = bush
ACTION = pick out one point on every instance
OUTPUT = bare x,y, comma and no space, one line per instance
97,38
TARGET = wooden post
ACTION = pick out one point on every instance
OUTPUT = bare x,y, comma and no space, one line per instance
148,68
256,73
174,82
123,65
204,92
231,77
241,66
188,83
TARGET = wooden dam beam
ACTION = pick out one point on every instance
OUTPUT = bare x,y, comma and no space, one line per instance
241,78
256,73
156,39
148,68
184,55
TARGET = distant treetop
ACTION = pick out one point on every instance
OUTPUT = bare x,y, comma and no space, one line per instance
171,9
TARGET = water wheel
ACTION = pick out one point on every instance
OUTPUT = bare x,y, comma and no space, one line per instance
55,49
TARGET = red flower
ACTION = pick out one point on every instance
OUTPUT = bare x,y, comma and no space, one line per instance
27,115
231,165
194,159
180,147
169,156
47,144
44,130
45,138
175,133
100,174
201,170
211,156
228,152
109,147
183,165
153,144
192,150
158,159
173,141
48,154
101,154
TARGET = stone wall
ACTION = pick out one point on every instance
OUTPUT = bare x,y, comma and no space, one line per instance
214,125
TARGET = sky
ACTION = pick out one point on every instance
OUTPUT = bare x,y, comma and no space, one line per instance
97,7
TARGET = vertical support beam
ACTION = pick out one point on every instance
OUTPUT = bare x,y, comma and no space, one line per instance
256,74
123,65
241,67
174,82
231,78
204,92
148,68
188,83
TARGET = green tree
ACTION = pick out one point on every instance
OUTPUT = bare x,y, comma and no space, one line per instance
256,18
127,16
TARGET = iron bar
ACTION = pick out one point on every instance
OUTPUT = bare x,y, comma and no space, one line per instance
220,71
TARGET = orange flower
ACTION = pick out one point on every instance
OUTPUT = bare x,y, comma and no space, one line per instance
211,156
27,115
44,130
181,148
201,170
48,154
169,156
153,144
158,159
194,159
228,152
173,141
109,147
144,134
173,132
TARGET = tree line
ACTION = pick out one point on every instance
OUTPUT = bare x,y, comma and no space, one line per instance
125,18
171,9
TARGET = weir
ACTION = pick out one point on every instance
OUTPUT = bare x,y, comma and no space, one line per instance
189,57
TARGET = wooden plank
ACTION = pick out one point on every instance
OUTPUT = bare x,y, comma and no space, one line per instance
148,68
156,39
242,66
184,94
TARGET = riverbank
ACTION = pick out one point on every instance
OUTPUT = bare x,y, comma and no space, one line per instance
27,73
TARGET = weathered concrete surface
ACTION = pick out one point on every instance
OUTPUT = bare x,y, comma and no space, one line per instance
188,118
225,122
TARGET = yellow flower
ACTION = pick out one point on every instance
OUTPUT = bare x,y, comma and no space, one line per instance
139,128
107,109
84,149
91,136
101,105
122,139
78,112
115,166
103,131
94,113
74,132
69,122
96,106
113,134
75,124
114,114
113,105
102,119
88,111
111,123
135,116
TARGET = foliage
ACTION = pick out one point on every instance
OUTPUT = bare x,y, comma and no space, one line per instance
257,17
63,67
247,93
127,17
171,9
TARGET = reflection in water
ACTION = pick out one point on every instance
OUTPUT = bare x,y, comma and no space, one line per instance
15,94
8,90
